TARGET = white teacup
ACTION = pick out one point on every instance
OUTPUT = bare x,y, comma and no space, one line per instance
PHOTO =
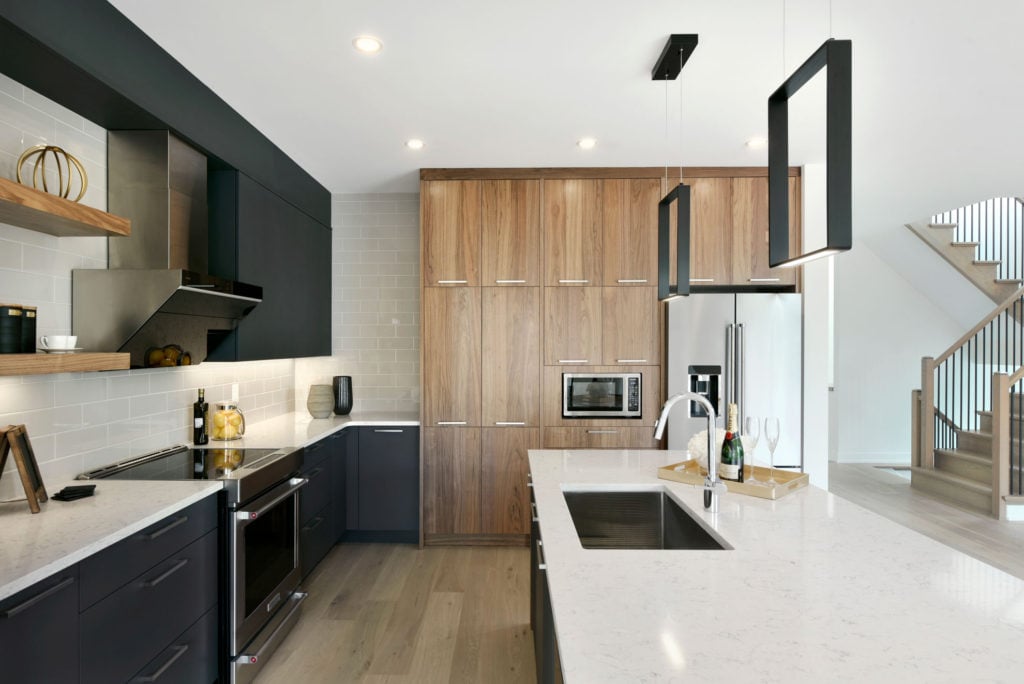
58,341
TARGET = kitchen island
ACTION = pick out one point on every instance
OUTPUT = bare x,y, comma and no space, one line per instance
815,588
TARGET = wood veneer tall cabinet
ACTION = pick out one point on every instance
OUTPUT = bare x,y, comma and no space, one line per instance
531,273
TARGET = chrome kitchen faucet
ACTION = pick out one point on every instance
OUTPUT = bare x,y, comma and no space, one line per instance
712,485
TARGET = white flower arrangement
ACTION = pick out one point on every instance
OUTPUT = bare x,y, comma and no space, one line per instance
697,447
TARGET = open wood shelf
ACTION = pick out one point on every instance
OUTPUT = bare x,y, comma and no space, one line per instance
41,364
42,212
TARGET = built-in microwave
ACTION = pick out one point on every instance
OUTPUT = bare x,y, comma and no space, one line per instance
601,395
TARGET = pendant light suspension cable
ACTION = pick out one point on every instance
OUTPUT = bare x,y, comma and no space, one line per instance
783,40
681,61
667,146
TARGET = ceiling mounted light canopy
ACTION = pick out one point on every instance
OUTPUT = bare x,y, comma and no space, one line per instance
668,67
414,144
673,58
586,143
369,45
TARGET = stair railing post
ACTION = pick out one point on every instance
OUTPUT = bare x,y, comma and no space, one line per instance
927,420
1000,443
915,428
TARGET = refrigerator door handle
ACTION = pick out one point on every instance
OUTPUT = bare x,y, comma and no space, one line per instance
730,369
739,370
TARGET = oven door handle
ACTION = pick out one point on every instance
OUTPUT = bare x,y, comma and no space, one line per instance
275,497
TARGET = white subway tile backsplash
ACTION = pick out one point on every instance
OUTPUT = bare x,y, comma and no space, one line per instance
53,110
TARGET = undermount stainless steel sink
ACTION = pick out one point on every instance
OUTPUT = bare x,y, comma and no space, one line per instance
646,519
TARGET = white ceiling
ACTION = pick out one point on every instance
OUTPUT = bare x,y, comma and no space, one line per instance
938,87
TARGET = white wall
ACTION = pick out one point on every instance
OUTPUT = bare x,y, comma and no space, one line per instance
883,328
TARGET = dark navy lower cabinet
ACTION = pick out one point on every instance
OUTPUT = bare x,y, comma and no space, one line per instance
39,631
389,480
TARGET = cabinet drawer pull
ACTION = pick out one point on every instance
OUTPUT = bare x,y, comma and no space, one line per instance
452,282
574,282
389,430
702,280
178,652
314,524
157,580
573,360
602,432
510,422
541,565
533,512
510,282
632,280
314,472
166,528
631,360
28,603
763,280
451,422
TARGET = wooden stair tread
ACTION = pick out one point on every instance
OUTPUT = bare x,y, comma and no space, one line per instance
962,482
975,245
986,262
1007,281
942,225
972,456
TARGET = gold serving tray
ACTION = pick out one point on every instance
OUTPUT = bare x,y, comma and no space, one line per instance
785,481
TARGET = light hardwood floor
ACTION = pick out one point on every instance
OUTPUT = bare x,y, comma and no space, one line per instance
995,542
394,613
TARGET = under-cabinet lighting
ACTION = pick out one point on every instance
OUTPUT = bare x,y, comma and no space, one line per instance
586,143
414,144
367,44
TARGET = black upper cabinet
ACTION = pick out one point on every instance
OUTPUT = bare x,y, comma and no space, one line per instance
256,237
109,71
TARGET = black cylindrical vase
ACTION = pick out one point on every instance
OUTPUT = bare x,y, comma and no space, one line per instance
342,394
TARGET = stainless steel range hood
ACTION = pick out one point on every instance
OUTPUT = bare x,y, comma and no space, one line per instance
156,291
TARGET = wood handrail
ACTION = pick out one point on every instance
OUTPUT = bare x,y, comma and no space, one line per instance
1007,303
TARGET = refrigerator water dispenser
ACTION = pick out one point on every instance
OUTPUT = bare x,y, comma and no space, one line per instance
707,382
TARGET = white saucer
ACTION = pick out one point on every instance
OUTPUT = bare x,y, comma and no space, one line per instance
61,351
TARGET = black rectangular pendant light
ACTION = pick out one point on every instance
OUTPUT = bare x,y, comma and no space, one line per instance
836,57
666,290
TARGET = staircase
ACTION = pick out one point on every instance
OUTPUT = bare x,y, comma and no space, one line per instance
969,412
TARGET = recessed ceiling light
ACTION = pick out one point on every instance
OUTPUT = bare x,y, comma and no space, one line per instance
367,44
757,142
586,143
414,144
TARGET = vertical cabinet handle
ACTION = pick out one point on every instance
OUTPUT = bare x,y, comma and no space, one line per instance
541,565
28,603
178,652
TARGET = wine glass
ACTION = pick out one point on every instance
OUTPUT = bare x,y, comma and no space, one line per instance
752,430
771,435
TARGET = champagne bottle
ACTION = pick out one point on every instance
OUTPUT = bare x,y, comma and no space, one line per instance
199,409
732,450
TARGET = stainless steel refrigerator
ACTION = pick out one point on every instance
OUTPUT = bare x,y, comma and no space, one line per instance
742,348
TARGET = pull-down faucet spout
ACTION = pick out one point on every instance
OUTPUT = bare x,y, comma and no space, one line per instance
712,485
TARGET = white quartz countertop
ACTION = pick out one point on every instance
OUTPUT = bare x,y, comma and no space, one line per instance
299,429
815,589
35,546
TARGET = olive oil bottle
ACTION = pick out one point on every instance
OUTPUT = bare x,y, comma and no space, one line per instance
731,467
200,435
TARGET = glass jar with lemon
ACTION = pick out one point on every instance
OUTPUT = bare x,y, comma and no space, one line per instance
227,422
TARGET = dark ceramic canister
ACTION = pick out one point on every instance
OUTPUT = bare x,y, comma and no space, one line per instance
11,316
342,394
28,331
